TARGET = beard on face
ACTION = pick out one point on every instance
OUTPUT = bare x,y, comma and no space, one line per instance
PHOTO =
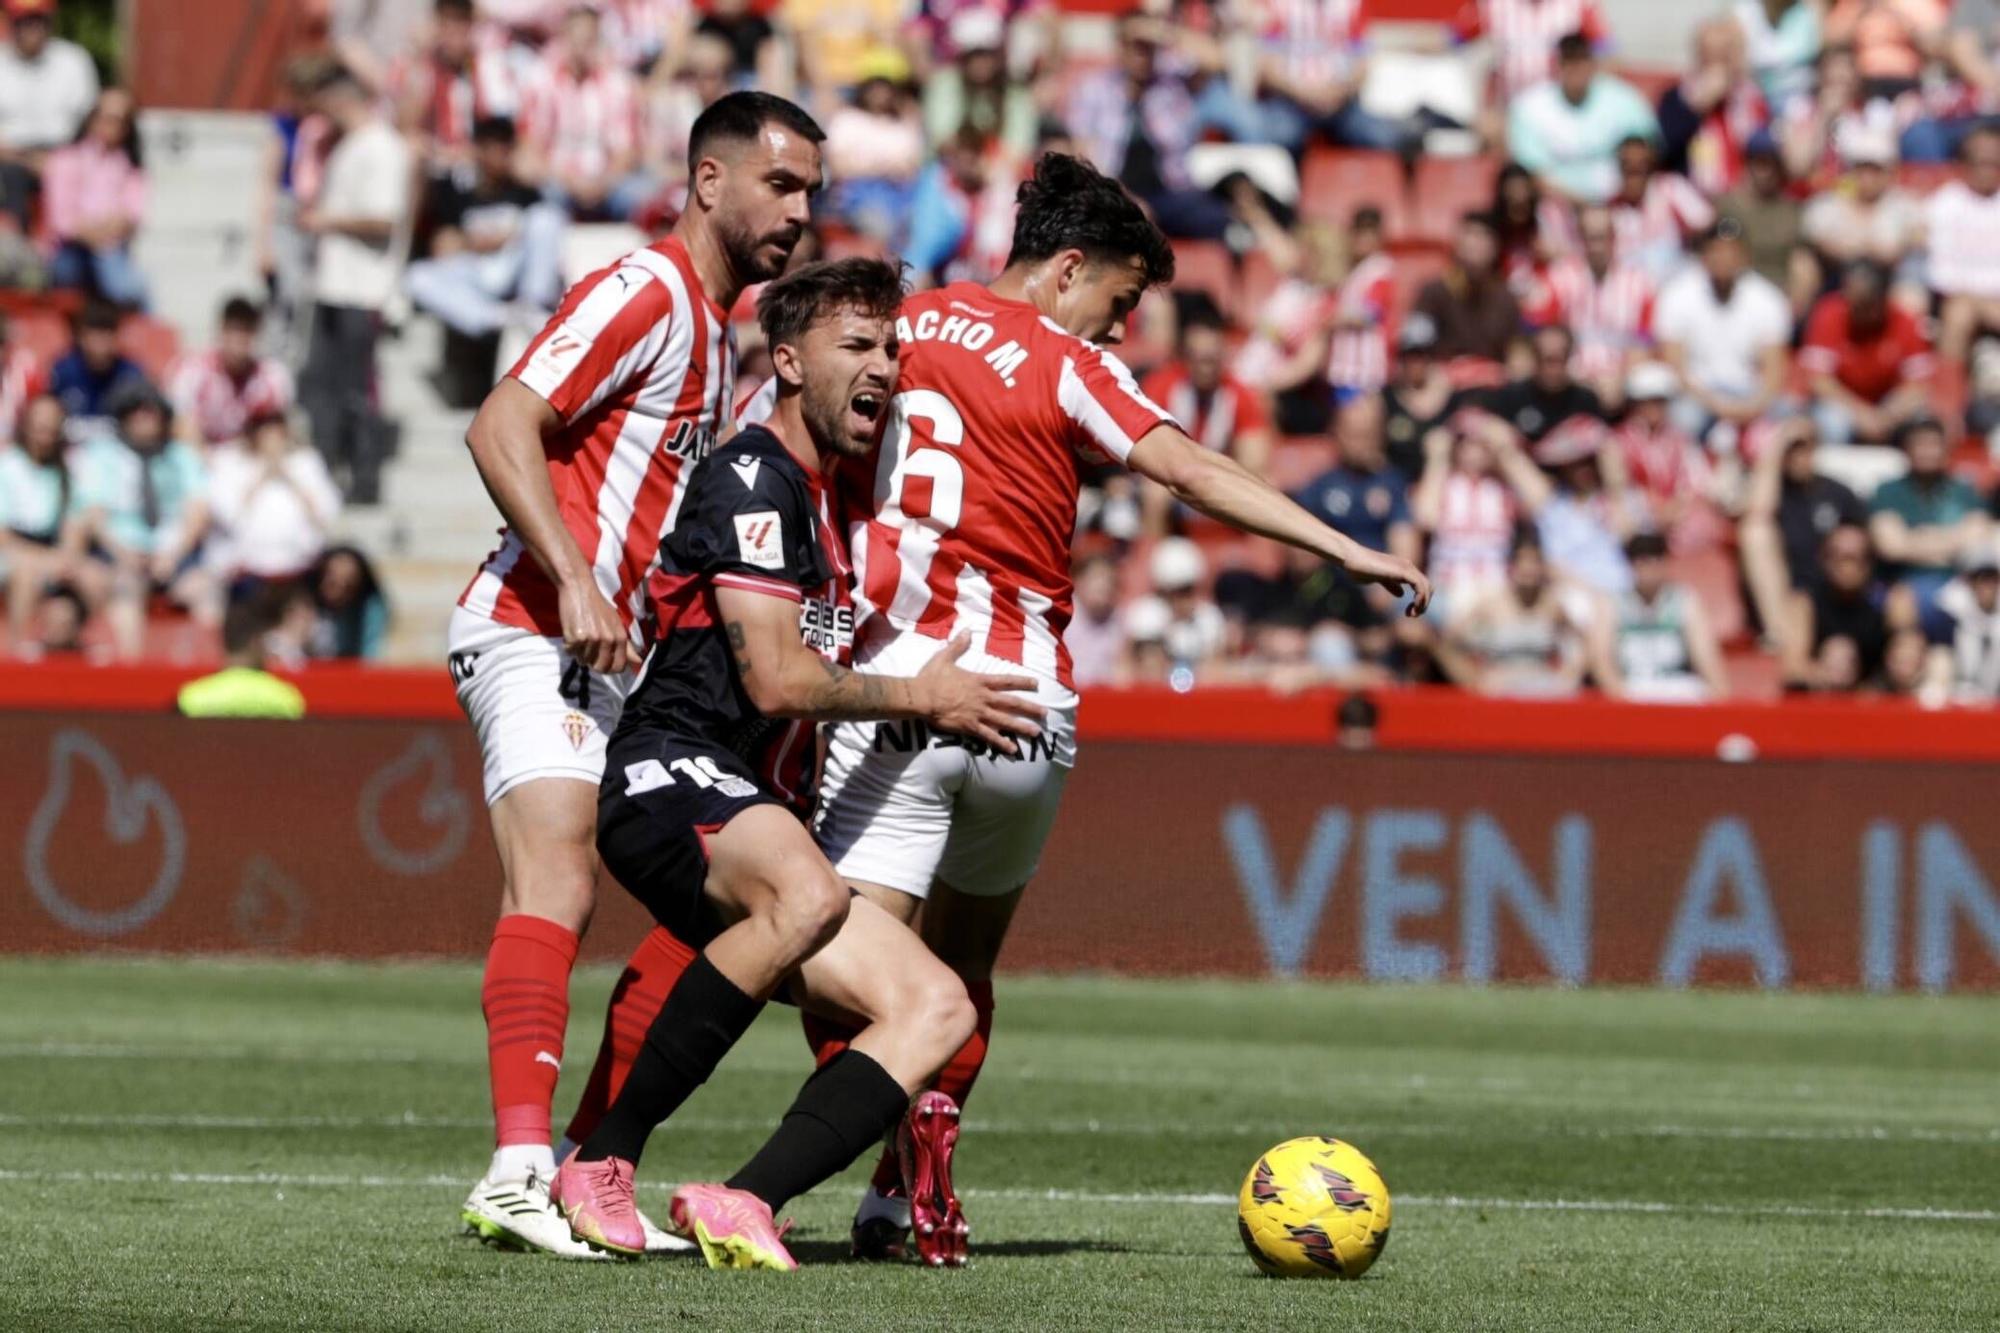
825,411
745,249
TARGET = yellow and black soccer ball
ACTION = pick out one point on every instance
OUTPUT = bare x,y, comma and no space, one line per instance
1313,1207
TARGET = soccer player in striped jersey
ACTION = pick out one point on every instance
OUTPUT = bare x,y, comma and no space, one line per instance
1004,395
586,446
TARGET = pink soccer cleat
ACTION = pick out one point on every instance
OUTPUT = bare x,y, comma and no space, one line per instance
733,1227
924,1143
595,1198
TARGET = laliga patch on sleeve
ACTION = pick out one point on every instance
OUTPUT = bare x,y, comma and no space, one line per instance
760,539
557,358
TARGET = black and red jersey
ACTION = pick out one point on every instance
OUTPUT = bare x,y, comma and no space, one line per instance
755,520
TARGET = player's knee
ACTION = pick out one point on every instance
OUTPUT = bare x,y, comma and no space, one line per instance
809,908
934,1004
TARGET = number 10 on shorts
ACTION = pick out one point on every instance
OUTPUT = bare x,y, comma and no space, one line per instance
651,775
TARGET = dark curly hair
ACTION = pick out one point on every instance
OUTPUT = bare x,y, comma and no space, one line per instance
1070,205
794,303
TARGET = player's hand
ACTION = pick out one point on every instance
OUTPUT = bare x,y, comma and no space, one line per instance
966,703
591,631
1395,574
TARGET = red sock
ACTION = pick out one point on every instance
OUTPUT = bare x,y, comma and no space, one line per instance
828,1037
635,1001
525,997
955,1080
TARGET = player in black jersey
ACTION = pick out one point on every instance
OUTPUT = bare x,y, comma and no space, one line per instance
709,777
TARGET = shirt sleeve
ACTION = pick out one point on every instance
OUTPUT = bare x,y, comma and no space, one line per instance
1820,354
1103,402
608,335
747,524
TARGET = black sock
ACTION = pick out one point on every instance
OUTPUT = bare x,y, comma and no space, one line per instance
843,1110
705,1014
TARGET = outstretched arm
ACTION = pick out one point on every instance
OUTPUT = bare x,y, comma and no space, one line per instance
1224,489
785,678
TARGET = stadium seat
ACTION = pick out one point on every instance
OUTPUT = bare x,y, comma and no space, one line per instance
43,332
1446,189
1297,459
1860,467
1753,674
152,344
1207,266
1713,578
1259,278
1924,177
1416,264
1336,181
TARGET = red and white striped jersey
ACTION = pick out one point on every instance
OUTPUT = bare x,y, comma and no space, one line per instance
448,101
640,365
1524,34
971,502
580,123
22,376
1213,419
1316,41
1360,356
222,405
1610,318
1475,531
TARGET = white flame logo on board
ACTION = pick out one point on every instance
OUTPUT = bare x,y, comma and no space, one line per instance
439,805
130,804
270,907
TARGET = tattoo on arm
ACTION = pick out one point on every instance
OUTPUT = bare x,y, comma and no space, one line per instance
734,629
849,694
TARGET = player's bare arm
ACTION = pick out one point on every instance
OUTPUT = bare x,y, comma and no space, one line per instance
506,444
785,678
1224,489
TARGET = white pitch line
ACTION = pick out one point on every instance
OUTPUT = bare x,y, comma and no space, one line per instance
287,1180
975,1125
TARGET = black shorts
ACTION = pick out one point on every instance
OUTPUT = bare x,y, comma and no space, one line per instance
661,797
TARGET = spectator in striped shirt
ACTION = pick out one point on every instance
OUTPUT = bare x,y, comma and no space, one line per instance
1708,118
443,91
1655,213
1607,304
1964,232
580,122
1311,65
1216,409
217,393
1525,34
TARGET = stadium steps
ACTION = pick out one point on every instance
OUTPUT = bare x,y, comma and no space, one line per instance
197,249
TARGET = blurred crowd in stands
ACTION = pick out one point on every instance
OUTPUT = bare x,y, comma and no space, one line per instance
1680,382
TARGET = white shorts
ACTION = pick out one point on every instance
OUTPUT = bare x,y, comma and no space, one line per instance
539,714
903,807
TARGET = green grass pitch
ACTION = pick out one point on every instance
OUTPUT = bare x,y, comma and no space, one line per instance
261,1146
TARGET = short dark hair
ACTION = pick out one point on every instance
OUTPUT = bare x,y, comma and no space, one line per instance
792,304
494,129
100,315
1573,46
1366,218
1197,310
1069,205
1872,271
740,117
240,312
458,9
1646,546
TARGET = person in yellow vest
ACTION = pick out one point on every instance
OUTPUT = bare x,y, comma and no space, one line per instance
243,688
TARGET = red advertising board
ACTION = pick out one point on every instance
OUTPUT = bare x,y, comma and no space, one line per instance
368,838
